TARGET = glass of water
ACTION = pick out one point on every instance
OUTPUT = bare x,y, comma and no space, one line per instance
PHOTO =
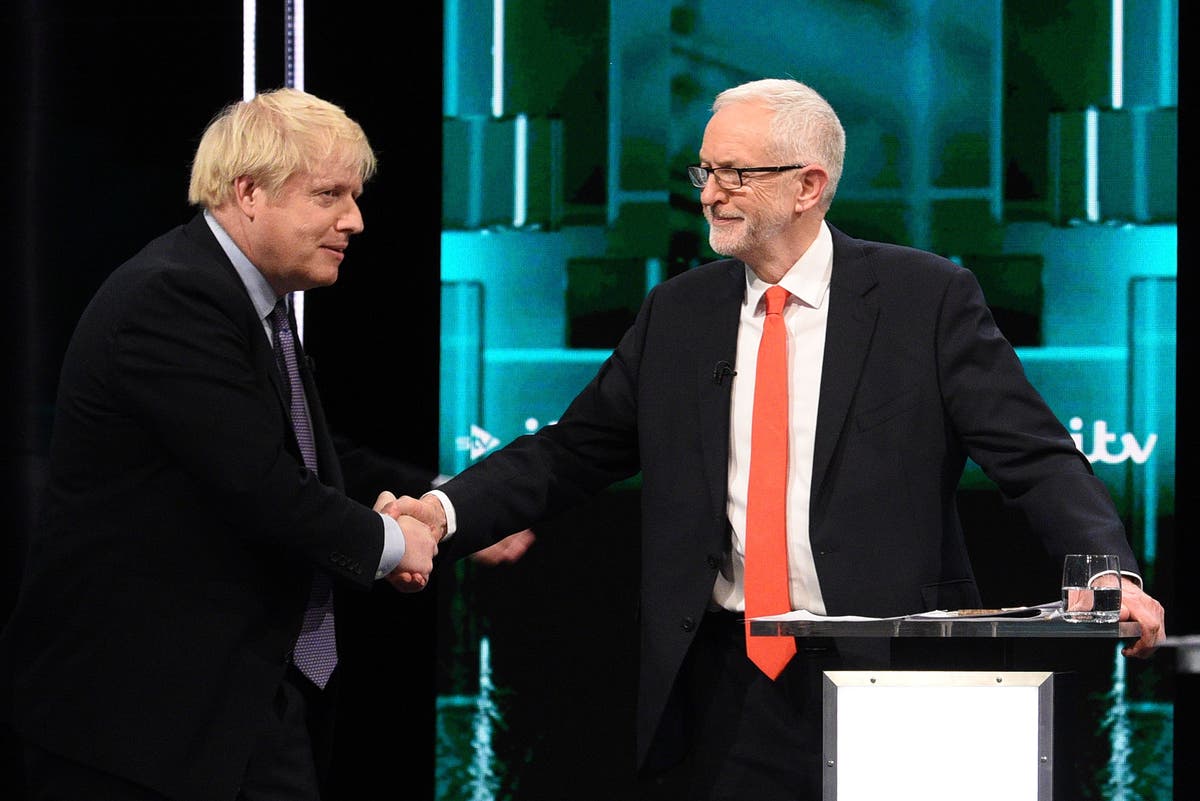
1091,588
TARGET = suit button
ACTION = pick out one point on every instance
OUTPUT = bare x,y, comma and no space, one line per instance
713,561
688,624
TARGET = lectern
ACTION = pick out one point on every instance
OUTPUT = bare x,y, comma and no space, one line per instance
948,734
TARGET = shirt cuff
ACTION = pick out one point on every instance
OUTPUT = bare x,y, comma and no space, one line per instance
393,546
451,522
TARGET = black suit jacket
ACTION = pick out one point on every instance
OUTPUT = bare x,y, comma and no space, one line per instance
916,379
167,583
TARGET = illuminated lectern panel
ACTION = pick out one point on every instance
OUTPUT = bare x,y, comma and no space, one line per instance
938,735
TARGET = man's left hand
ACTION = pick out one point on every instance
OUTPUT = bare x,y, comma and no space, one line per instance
1137,606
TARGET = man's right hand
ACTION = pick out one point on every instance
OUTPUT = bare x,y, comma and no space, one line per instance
427,509
420,546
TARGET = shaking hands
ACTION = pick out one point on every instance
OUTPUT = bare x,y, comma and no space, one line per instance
420,541
424,520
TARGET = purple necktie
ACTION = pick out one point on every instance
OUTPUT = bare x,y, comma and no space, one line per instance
315,652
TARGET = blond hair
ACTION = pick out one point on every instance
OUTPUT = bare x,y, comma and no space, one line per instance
270,138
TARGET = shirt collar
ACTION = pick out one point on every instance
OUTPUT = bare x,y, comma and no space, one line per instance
806,280
261,294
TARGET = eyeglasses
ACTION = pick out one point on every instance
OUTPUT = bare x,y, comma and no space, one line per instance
730,177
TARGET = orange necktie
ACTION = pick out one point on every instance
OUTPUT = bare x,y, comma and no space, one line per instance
766,503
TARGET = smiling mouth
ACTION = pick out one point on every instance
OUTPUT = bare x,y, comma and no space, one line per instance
714,217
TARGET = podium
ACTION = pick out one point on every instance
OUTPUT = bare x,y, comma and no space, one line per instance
982,734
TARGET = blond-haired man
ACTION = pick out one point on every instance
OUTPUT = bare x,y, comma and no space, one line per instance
173,638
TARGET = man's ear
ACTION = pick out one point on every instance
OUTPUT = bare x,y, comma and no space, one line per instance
248,195
810,186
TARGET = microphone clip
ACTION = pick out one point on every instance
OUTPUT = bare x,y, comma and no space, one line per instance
722,369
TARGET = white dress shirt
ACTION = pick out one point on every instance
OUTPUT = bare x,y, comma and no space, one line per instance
805,315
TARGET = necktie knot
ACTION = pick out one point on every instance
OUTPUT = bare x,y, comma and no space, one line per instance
279,316
776,297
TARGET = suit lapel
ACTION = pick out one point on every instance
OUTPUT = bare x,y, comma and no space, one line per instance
261,347
852,316
716,344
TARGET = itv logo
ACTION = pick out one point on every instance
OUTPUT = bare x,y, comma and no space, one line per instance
1102,438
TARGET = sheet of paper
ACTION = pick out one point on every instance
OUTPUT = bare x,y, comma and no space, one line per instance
1026,612
805,615
1045,610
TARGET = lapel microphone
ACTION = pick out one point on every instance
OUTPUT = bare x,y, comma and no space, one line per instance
722,369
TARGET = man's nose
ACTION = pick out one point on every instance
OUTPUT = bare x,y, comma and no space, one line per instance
351,220
711,191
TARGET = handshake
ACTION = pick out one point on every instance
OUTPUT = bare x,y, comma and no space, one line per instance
423,522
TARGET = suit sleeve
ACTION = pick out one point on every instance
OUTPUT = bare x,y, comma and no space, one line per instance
593,445
1014,436
186,367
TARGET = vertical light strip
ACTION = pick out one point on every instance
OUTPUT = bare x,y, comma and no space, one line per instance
293,70
1168,42
1139,161
520,169
1119,785
487,714
612,172
920,72
1091,165
1118,53
289,62
996,118
451,36
298,42
249,25
476,130
498,58
1145,320
654,273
